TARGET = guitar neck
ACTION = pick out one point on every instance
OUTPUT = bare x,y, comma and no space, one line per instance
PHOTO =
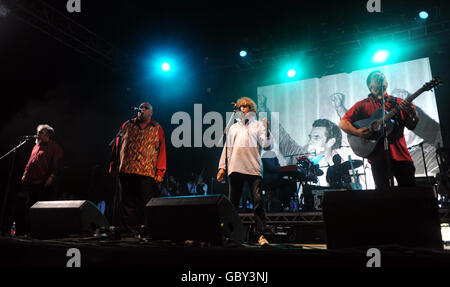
408,99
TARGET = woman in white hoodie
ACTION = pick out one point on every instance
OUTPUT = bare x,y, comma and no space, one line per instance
245,140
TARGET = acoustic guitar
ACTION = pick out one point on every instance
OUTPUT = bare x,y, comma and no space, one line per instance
364,147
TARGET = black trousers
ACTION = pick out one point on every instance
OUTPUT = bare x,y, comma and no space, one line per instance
237,181
137,191
30,194
403,171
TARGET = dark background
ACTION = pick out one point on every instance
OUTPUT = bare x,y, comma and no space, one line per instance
86,99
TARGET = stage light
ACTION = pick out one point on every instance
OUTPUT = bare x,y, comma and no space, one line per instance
165,67
423,15
243,53
380,56
291,73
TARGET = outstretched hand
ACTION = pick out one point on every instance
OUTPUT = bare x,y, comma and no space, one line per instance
337,99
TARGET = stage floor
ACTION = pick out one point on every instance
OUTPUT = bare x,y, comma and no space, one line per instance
95,252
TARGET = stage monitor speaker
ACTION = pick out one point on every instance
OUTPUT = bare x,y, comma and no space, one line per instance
366,218
210,218
58,219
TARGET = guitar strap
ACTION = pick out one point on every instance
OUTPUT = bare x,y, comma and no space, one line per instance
393,104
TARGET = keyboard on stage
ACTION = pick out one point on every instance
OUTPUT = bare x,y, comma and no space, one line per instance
293,171
299,173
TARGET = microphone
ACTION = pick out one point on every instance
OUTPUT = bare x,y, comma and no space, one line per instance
136,110
235,106
30,137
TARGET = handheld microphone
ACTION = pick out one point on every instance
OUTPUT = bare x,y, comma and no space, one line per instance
136,110
235,106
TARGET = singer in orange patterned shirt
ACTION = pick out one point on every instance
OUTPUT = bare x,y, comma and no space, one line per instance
139,158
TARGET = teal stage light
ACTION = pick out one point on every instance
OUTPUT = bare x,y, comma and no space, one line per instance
423,15
380,56
165,67
291,73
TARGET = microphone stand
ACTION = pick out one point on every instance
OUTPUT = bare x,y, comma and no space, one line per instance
423,158
119,134
385,139
8,184
424,163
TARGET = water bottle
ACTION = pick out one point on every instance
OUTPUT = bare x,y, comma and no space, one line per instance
13,229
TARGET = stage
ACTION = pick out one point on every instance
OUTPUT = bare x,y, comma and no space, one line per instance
285,252
23,252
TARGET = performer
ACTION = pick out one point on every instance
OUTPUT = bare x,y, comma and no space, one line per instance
139,157
402,166
44,165
243,151
337,174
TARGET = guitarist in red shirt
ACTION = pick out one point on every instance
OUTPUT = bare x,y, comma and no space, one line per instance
402,166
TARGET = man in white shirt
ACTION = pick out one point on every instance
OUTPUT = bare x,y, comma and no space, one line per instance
242,149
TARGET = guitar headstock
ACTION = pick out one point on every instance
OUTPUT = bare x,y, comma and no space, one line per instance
436,81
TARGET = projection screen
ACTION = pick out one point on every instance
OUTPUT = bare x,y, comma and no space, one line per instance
299,104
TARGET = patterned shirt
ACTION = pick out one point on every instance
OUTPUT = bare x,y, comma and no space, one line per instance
140,151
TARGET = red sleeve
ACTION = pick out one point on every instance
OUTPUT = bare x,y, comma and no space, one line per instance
352,114
113,165
161,161
33,154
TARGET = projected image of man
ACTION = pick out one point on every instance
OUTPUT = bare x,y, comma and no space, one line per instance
324,140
